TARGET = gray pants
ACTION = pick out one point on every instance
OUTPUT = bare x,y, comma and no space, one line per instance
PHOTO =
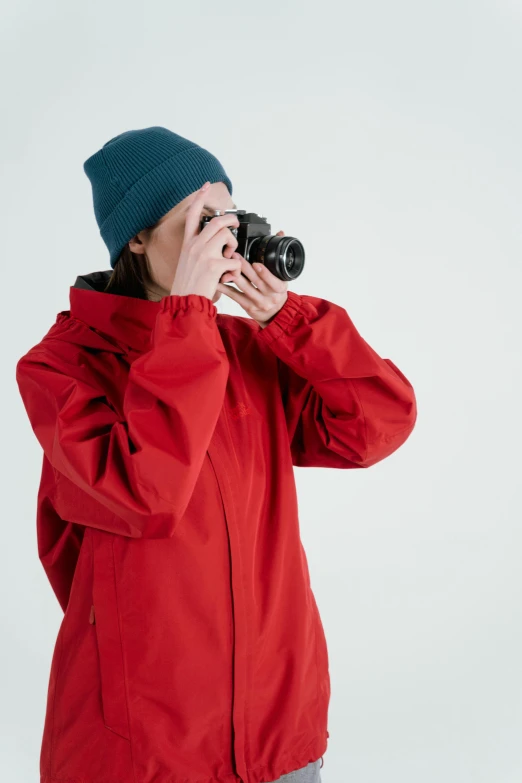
308,774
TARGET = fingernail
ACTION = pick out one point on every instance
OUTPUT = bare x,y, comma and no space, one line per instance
205,186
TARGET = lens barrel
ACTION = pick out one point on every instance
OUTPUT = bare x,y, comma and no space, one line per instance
283,256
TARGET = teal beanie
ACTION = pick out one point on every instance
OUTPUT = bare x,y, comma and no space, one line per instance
139,175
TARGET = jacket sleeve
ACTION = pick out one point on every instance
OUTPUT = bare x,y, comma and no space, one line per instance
345,407
142,466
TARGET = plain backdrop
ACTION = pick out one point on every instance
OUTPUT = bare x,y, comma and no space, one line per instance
387,138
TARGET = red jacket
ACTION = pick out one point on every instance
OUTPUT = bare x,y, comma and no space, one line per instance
191,648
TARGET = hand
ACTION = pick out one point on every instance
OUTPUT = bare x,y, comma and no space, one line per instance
202,261
261,294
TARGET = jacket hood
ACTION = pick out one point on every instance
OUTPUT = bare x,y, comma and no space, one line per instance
93,281
126,320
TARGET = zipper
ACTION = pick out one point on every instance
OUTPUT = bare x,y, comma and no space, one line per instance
223,458
232,607
230,438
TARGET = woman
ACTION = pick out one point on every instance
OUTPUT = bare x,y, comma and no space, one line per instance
191,648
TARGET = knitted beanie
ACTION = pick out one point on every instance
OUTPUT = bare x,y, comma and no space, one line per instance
139,175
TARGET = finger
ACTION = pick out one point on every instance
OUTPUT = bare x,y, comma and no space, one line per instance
247,287
194,212
229,240
238,278
215,241
250,273
229,277
212,227
222,225
234,294
263,278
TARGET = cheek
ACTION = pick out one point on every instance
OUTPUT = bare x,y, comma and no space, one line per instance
164,251
169,243
170,232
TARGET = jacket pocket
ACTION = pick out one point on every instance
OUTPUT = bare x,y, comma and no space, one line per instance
105,618
323,663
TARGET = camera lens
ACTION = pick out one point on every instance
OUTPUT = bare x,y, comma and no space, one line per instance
283,256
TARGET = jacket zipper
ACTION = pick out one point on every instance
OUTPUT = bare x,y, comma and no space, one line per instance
232,607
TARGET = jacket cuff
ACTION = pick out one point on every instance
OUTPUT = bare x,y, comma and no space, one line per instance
284,318
173,303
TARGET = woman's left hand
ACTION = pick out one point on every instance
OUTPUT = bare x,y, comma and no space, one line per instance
261,294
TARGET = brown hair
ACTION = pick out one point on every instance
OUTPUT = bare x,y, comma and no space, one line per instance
132,274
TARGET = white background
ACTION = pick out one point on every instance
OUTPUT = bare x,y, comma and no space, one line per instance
387,137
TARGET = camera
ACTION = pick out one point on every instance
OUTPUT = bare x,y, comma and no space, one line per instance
283,256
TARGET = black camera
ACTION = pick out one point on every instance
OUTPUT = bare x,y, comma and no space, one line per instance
283,256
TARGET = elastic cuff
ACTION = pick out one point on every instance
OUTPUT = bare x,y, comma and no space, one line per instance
283,319
173,303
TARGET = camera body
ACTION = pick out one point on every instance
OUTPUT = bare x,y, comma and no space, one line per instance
283,256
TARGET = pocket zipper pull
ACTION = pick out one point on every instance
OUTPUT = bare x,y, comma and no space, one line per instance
91,616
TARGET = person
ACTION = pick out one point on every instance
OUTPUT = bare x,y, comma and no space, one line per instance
191,648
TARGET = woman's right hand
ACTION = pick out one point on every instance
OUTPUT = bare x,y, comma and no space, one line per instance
201,262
